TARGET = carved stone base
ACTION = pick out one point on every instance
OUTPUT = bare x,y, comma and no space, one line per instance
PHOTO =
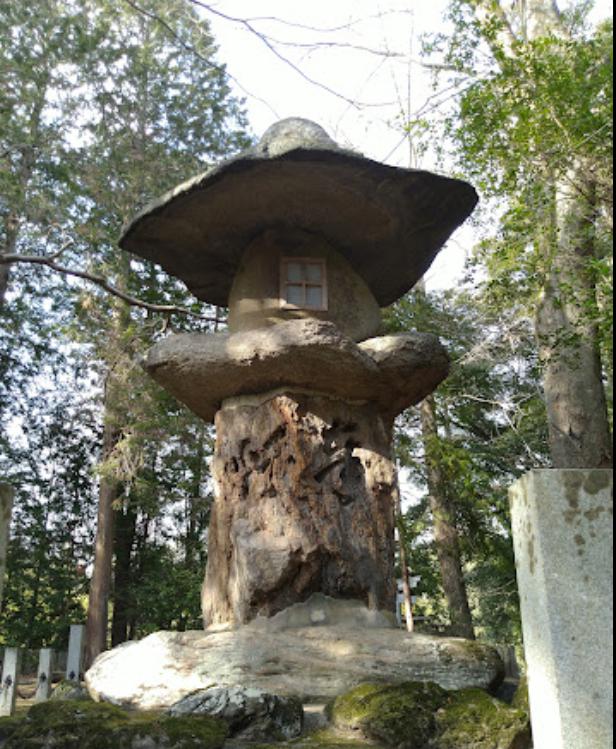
304,505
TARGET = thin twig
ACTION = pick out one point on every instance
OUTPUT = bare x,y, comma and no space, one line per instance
49,262
272,48
190,48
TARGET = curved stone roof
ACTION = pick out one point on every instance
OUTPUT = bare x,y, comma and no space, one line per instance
388,222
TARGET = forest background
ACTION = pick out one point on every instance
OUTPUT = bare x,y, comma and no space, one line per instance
104,105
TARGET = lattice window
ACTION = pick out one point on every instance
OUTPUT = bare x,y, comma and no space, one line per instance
303,283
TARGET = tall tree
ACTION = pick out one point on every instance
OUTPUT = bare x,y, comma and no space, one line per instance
484,427
534,129
105,106
159,113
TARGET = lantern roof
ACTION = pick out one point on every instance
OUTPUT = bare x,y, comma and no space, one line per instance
388,222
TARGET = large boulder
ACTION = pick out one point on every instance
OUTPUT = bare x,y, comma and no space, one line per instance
424,716
251,714
323,660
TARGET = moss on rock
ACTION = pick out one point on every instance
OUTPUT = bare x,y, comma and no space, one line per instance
472,719
520,698
402,716
89,725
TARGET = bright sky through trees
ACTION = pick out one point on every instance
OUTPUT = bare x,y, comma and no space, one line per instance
366,51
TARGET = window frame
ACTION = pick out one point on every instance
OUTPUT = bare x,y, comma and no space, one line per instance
285,283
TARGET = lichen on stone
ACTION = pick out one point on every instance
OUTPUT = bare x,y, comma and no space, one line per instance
89,725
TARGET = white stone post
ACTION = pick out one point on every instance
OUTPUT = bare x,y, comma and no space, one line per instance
45,673
6,509
563,538
10,674
75,652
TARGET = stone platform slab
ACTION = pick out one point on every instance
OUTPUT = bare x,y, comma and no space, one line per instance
310,662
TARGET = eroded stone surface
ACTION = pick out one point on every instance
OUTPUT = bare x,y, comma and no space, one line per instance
202,370
562,523
303,504
309,662
255,299
250,713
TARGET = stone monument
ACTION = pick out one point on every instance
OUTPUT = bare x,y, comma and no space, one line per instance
304,242
562,523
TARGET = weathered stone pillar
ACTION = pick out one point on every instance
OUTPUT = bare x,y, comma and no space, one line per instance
562,530
304,505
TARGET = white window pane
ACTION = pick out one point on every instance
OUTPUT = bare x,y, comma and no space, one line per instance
294,272
314,297
295,295
313,273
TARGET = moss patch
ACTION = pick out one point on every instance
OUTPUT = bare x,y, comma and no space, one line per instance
520,698
8,726
402,716
474,720
90,725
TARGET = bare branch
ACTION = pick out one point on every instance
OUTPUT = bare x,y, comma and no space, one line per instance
190,48
331,29
49,262
271,45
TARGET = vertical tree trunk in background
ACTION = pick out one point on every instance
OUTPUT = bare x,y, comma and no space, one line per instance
6,510
567,335
125,528
100,584
445,530
192,541
406,586
568,340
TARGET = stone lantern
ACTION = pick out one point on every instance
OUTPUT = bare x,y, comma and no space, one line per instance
304,242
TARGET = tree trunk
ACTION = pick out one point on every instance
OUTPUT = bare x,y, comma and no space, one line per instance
125,528
445,530
406,585
100,584
7,496
568,339
567,335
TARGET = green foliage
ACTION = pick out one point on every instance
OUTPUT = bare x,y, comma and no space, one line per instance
51,466
103,109
533,121
492,429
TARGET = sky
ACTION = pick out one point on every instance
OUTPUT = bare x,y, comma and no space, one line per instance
365,51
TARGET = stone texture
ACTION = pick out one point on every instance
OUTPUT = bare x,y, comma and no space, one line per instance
202,370
250,713
309,662
303,504
255,298
389,223
563,538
